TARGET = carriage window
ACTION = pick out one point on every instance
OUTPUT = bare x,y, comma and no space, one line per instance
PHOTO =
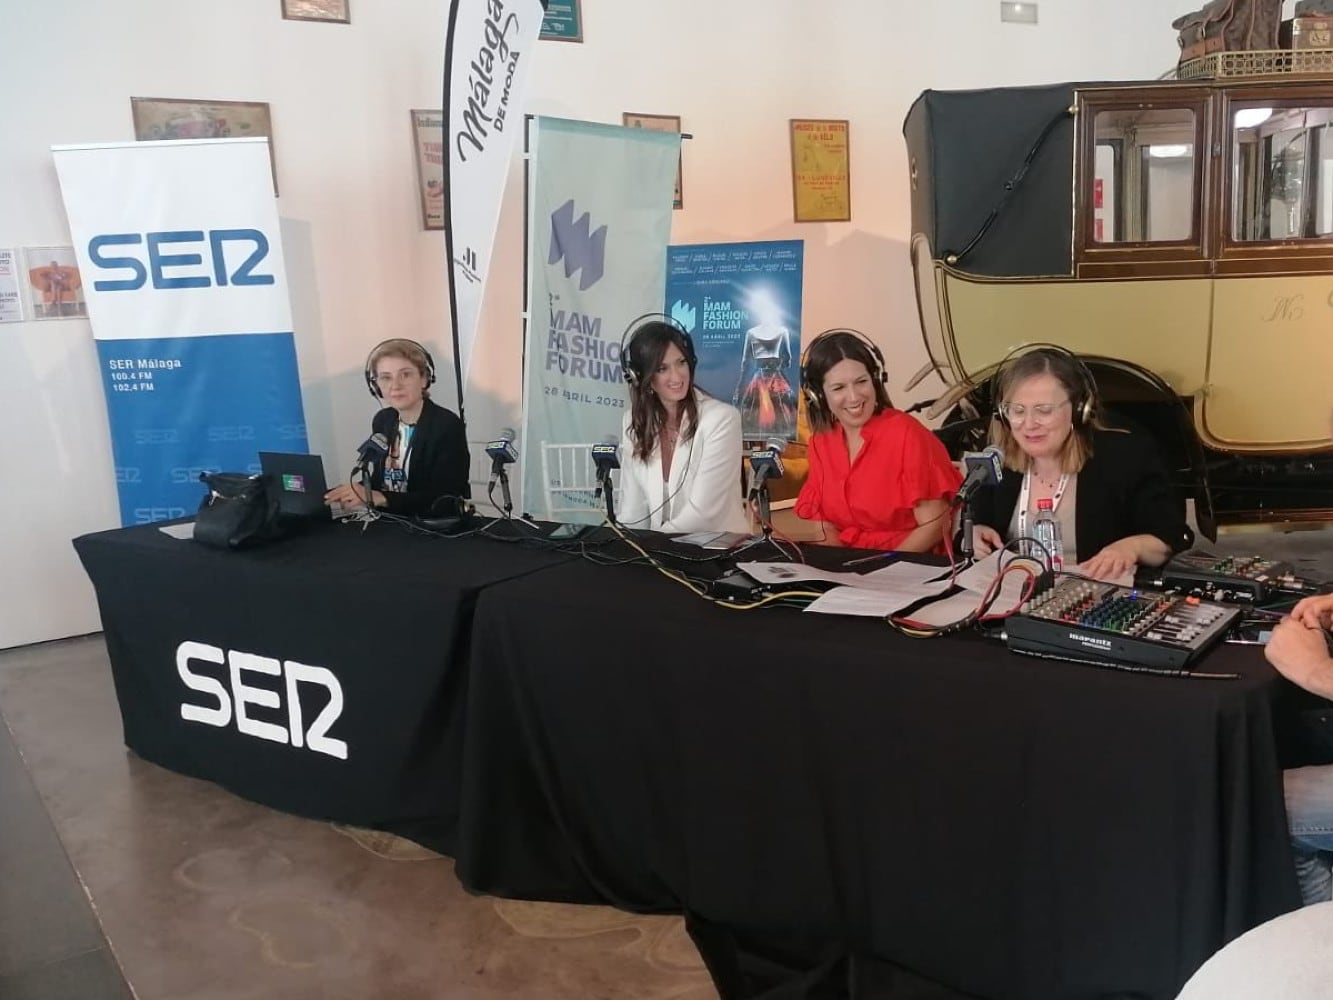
1282,180
1143,175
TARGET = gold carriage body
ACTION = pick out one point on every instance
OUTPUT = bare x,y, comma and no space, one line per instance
1185,226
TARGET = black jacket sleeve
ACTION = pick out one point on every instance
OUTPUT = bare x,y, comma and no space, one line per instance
1123,490
439,466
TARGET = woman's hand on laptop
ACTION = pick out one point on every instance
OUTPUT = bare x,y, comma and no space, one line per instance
351,493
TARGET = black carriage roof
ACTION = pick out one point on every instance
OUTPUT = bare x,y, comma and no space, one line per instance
964,146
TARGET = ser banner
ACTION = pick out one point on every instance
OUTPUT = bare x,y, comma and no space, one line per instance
600,218
741,303
179,247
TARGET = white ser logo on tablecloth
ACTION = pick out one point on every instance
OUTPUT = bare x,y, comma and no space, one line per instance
315,738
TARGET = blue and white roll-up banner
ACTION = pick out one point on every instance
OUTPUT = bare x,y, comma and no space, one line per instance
181,258
600,205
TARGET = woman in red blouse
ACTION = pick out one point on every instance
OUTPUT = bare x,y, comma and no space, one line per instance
878,478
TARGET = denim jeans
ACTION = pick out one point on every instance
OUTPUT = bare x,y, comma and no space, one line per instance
1309,792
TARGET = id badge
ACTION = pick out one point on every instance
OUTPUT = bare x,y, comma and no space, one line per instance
394,480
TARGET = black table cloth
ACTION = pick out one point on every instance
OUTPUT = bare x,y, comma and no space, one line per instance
384,612
1012,828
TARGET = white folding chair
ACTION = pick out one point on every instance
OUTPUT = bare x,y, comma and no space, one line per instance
569,483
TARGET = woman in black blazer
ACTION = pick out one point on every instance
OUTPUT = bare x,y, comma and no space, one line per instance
1109,487
426,468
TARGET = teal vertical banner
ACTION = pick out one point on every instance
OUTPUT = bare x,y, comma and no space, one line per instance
563,21
600,209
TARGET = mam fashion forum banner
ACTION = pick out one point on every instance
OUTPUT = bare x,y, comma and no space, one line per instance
600,205
488,50
741,303
181,259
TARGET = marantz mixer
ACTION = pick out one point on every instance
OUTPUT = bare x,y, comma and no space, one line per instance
1086,620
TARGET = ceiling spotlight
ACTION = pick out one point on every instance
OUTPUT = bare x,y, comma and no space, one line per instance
1018,13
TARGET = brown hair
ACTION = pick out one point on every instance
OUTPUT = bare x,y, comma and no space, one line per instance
643,354
1084,406
824,352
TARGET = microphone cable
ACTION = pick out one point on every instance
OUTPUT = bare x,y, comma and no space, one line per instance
700,591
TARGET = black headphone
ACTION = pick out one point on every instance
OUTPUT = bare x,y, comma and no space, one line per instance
370,375
1084,408
814,396
632,375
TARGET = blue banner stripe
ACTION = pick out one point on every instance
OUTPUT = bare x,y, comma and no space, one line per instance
181,405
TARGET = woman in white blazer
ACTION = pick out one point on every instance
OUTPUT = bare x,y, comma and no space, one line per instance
680,448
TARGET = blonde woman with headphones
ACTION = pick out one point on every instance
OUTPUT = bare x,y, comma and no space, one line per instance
879,479
680,447
1109,489
425,468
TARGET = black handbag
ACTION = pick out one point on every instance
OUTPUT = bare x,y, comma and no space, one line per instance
239,510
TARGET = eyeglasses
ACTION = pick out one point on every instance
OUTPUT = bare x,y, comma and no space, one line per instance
1038,413
385,379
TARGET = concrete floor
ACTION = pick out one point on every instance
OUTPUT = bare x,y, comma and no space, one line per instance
120,879
114,872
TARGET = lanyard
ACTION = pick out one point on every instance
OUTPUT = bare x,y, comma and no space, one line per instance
401,453
1025,493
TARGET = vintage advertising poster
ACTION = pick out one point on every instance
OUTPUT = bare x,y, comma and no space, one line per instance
428,141
660,123
181,256
820,170
55,288
11,302
741,304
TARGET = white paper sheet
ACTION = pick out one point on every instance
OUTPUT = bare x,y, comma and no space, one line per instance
877,601
892,576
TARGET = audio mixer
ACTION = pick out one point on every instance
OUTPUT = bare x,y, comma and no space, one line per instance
1232,578
1085,619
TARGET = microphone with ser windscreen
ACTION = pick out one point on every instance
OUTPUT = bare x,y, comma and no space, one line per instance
984,468
502,453
766,464
606,457
374,447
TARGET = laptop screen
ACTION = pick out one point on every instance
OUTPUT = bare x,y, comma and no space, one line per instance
300,480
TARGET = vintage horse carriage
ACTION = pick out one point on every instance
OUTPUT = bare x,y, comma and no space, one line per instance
1178,233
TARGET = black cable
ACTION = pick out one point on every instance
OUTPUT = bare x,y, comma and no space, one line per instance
1009,188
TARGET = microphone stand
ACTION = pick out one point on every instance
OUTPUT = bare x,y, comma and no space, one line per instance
759,493
606,485
370,514
966,552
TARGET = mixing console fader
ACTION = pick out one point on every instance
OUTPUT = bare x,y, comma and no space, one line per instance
1085,619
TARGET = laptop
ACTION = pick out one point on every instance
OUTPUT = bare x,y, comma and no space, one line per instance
300,481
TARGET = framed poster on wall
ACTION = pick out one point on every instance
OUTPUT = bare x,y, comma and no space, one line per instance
821,186
659,123
333,11
176,118
428,143
562,22
55,290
